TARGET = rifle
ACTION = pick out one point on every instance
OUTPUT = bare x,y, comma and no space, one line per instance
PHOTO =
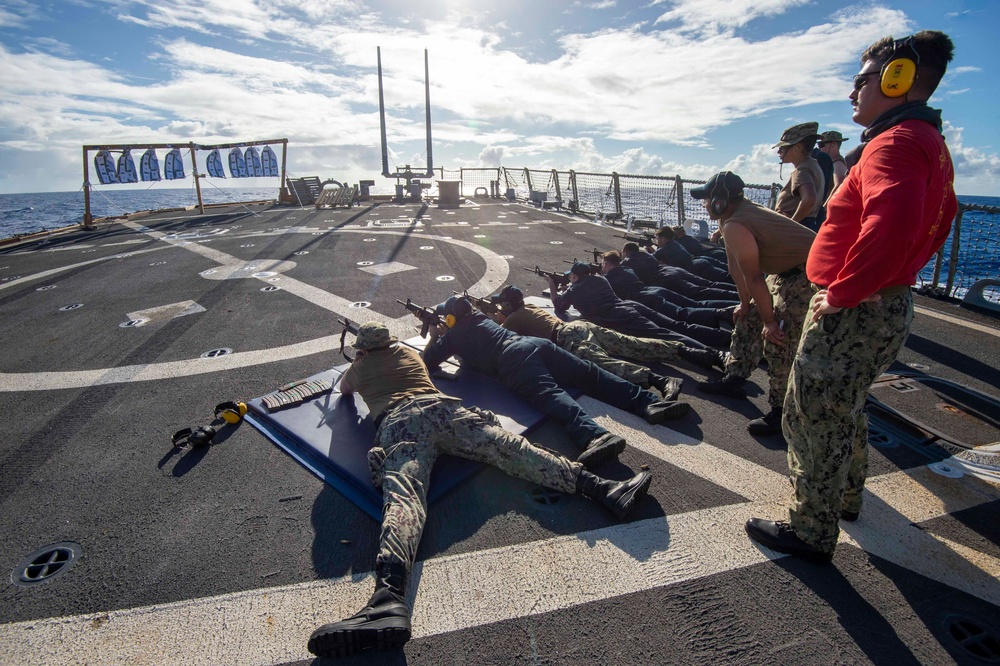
427,316
597,255
484,305
595,269
349,327
645,239
560,278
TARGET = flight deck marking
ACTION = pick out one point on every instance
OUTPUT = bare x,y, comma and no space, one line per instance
955,320
271,625
494,277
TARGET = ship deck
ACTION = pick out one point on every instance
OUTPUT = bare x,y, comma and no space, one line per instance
234,553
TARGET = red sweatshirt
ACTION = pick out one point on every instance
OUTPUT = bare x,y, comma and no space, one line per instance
888,218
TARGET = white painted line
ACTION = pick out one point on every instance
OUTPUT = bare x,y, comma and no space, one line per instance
957,321
271,625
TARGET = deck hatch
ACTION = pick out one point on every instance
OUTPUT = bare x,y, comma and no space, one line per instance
46,563
974,638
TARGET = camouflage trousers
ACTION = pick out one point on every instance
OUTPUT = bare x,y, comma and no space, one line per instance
600,345
411,437
839,358
790,301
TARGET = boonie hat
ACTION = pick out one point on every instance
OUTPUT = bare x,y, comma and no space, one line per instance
793,135
372,335
724,179
831,137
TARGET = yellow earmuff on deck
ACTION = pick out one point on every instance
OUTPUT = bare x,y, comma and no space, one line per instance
231,412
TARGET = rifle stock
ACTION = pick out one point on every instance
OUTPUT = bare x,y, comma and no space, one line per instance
425,315
559,278
484,305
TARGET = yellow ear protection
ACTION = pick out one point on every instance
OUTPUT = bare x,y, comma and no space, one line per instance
718,202
899,74
449,320
231,412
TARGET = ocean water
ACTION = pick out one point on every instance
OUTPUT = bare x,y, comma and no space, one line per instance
27,213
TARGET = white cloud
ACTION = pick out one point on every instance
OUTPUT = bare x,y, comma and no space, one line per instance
722,14
977,170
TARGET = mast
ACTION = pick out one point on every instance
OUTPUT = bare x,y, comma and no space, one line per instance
381,117
427,107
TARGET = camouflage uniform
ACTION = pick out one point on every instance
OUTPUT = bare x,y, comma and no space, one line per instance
599,345
790,301
409,440
839,358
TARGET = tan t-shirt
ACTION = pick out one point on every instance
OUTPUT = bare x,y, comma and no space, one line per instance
807,172
534,321
384,376
781,242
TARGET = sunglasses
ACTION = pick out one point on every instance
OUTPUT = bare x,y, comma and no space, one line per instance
861,79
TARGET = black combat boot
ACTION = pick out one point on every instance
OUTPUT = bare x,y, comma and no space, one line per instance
383,624
669,387
766,425
729,385
703,358
618,497
664,410
600,449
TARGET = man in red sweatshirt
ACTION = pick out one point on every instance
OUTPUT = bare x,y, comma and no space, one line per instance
892,213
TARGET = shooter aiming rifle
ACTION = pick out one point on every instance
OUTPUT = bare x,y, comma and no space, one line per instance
561,279
645,239
484,305
427,316
595,269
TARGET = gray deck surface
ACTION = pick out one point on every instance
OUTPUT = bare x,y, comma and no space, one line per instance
232,554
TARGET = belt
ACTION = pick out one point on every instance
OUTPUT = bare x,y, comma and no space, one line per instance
399,403
894,290
792,272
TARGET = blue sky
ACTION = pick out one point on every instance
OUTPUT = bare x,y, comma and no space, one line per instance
659,87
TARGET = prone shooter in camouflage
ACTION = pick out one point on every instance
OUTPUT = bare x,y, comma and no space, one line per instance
414,425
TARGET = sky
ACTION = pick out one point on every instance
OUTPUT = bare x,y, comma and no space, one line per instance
648,87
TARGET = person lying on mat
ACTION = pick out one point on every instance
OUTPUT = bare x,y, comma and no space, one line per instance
537,369
415,423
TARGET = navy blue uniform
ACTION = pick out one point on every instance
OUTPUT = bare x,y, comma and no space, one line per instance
628,287
597,302
652,272
699,248
534,368
674,254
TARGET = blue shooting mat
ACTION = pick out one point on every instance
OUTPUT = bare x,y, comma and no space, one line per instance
330,434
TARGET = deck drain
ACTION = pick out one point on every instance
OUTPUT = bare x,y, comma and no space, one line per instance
210,271
947,470
919,366
300,253
249,245
213,353
263,274
881,439
973,638
426,247
366,263
545,496
479,236
46,563
444,278
555,242
133,323
369,240
271,288
72,306
360,304
507,256
579,233
46,287
158,263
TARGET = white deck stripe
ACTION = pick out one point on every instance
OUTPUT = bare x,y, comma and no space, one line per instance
269,626
957,321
